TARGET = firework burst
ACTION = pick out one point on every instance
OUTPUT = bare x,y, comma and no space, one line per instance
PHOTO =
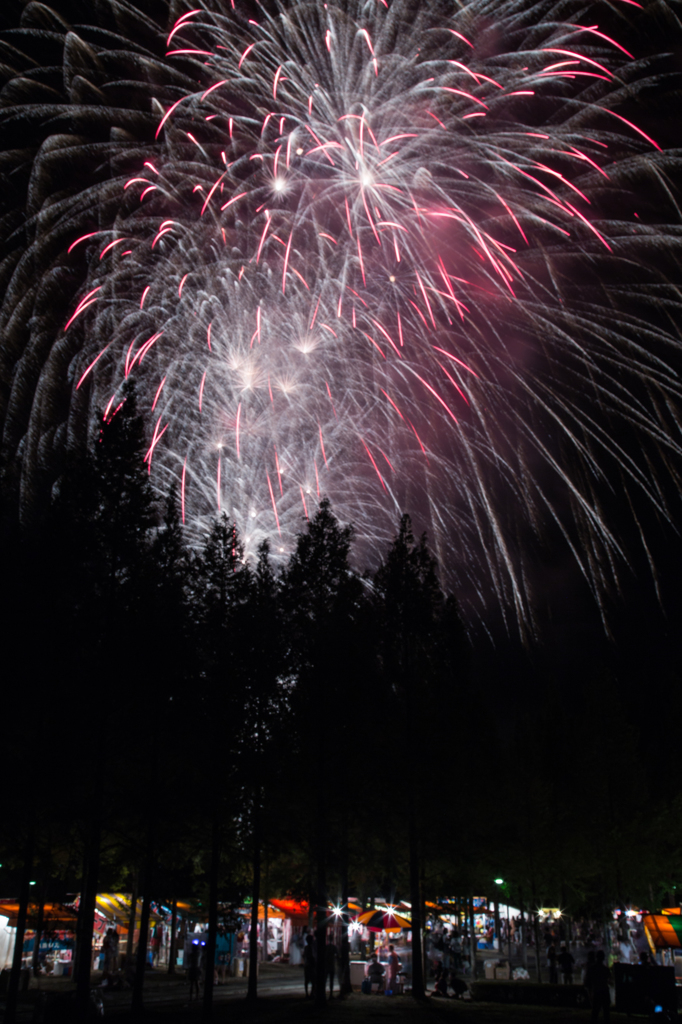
387,252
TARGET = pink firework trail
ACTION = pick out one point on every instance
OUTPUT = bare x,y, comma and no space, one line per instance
410,215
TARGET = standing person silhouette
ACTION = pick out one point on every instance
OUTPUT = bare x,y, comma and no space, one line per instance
566,960
551,963
597,980
393,968
330,955
309,966
194,970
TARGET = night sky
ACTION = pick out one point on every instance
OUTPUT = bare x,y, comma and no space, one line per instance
638,636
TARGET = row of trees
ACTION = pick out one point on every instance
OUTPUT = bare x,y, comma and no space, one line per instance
220,728
202,710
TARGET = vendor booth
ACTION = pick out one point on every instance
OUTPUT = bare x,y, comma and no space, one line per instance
57,935
641,988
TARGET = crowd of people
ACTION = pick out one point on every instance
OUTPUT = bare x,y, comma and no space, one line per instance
570,953
624,938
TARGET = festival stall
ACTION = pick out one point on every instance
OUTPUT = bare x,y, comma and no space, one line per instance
664,933
57,935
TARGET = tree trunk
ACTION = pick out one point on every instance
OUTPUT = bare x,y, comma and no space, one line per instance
266,894
344,964
252,991
372,935
321,931
212,919
81,911
524,936
536,933
130,940
141,956
172,955
423,913
15,975
35,964
418,987
87,919
472,938
321,856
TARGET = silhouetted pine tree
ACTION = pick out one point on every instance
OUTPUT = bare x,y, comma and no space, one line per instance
99,573
421,651
323,604
221,585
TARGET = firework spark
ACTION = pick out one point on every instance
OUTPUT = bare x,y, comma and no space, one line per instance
368,250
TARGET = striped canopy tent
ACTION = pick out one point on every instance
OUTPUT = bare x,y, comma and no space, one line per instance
388,920
664,931
434,909
114,907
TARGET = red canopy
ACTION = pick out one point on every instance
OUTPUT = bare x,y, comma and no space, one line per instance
297,912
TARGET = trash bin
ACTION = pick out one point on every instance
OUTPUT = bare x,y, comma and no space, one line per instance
357,973
490,966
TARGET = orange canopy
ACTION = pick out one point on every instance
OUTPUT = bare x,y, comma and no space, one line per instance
55,916
663,932
298,912
273,911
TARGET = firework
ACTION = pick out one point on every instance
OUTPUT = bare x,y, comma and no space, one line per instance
391,253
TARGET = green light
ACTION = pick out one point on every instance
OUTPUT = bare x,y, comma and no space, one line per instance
32,883
499,881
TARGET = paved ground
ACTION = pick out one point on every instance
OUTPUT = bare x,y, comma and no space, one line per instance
165,991
281,1001
358,1009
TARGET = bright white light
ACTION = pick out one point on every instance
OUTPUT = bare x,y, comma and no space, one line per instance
366,179
279,184
306,345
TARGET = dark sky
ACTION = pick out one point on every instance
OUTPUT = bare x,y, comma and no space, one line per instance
644,647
